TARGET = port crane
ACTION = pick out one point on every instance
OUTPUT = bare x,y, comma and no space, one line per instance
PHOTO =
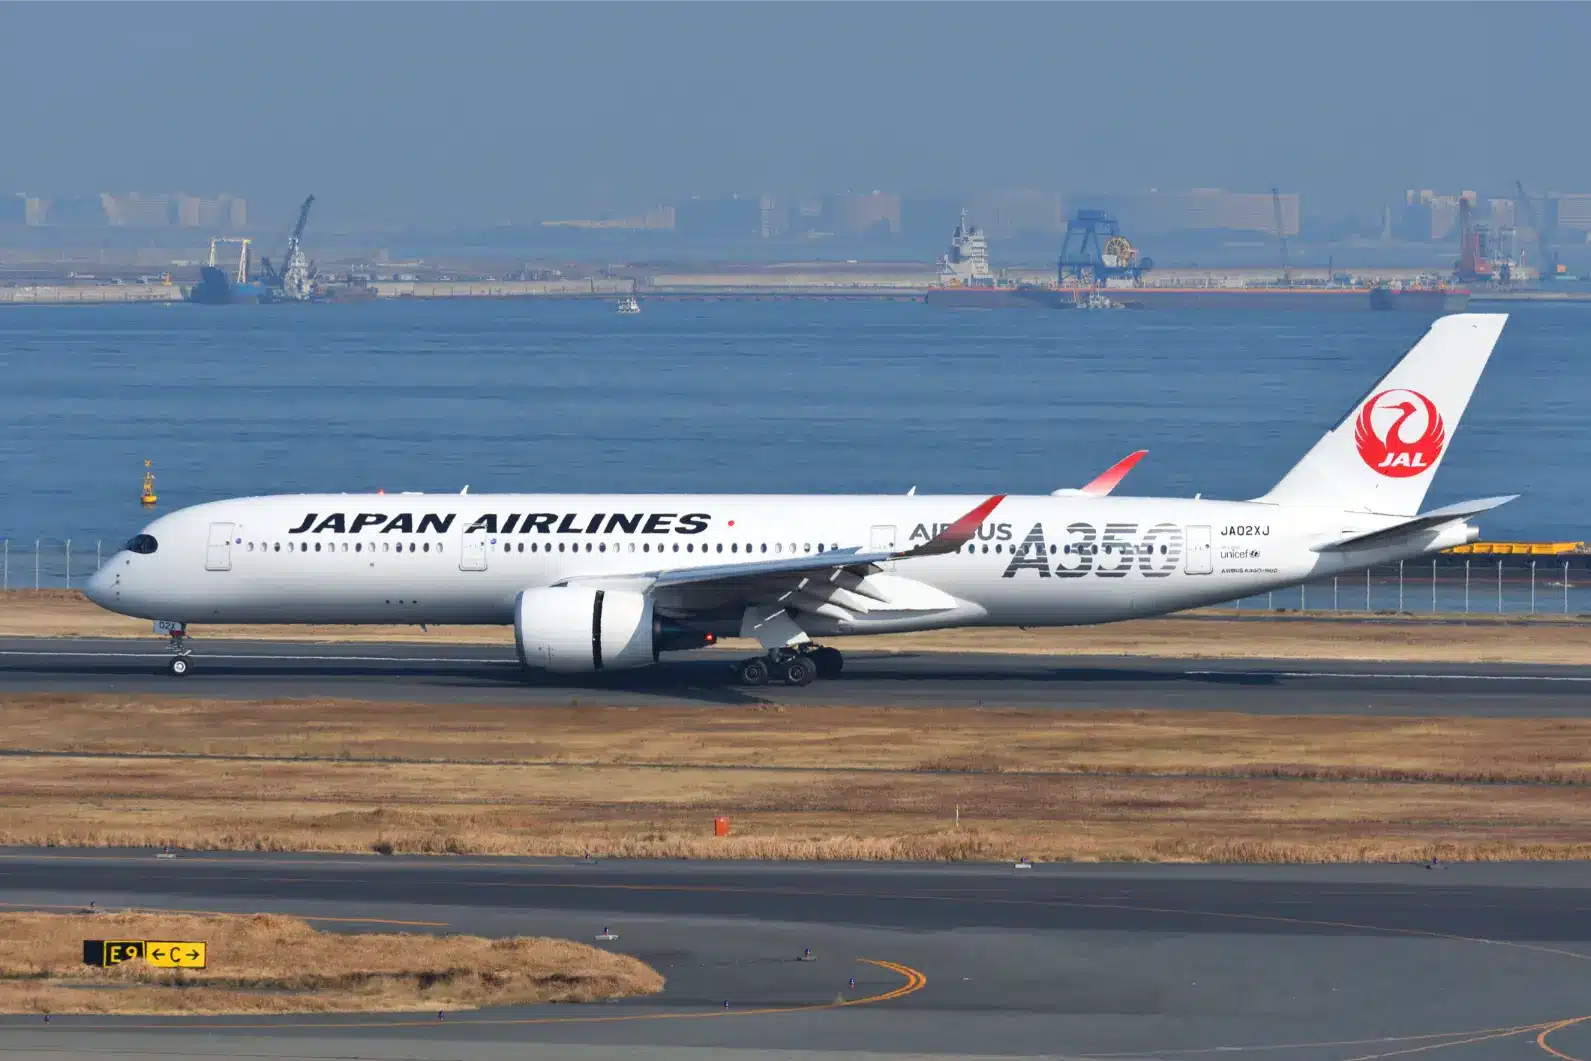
1281,234
296,281
1094,250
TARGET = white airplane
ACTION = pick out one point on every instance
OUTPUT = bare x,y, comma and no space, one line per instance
607,582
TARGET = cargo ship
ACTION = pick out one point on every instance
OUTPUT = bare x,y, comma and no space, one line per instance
966,281
217,288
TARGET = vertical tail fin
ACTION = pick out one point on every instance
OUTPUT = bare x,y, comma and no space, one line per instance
1385,452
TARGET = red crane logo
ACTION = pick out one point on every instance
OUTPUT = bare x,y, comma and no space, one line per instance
1390,452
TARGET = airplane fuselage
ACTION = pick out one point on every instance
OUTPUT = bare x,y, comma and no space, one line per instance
464,559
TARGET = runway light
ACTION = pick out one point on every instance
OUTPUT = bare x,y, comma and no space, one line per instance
852,982
726,1003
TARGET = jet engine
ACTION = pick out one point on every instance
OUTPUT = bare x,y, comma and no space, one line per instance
579,630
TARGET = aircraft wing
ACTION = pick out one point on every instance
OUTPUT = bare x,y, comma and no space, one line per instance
855,558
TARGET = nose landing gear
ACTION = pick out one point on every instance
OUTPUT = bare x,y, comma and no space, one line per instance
181,656
790,666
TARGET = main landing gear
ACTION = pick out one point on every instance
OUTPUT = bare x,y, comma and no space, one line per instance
181,661
791,666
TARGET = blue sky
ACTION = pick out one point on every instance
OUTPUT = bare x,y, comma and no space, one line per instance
462,112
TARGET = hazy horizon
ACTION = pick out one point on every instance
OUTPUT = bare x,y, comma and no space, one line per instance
477,114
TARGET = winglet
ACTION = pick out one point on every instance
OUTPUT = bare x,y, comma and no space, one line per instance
958,533
1110,477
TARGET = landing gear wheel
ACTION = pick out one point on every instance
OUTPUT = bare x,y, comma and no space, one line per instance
799,671
828,661
752,672
178,666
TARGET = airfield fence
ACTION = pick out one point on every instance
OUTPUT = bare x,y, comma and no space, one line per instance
1448,584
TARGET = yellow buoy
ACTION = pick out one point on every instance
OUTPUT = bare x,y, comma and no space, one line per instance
148,497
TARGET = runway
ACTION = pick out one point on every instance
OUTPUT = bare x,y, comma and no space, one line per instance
1303,963
446,673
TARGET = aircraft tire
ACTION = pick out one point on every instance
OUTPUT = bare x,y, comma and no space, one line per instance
179,666
753,672
828,661
799,671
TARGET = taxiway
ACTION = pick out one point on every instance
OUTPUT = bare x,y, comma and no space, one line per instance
1303,963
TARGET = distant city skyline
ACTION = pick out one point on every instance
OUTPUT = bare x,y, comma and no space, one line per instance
1418,216
465,114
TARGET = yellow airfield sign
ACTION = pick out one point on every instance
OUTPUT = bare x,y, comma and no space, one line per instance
108,952
175,954
163,954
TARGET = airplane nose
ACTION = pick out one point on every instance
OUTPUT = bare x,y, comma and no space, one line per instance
99,587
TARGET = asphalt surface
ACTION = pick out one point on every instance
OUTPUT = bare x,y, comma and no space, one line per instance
1301,963
457,673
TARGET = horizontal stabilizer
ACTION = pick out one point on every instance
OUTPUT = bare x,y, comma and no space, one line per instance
1425,521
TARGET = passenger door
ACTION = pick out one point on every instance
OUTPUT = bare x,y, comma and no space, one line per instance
218,551
472,550
1200,559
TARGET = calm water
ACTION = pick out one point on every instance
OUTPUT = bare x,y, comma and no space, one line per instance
778,397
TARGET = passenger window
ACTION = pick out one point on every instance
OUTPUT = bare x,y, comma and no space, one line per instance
806,547
632,547
676,547
764,546
603,547
690,547
251,547
560,547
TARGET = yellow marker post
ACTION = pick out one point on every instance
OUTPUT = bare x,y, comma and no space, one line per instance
175,954
148,497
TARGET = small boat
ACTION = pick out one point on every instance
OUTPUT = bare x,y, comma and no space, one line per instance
629,305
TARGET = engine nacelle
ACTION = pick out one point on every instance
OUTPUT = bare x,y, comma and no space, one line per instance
577,630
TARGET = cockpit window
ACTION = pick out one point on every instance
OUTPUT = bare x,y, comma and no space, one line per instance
142,543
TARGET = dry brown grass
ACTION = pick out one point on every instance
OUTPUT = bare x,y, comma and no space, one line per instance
61,613
648,812
807,782
959,739
268,963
